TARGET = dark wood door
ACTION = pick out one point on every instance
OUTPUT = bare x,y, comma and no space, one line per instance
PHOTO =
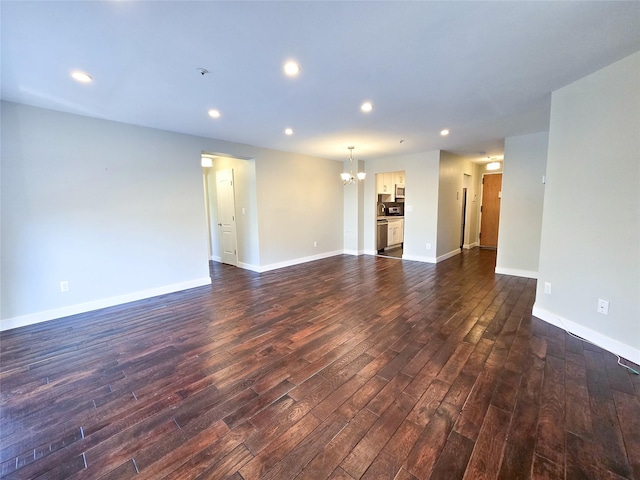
490,210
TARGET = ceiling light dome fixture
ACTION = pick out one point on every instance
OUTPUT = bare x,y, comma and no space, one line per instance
493,166
347,177
444,132
291,68
366,107
81,77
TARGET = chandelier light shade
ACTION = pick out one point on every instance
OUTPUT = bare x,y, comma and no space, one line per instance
347,177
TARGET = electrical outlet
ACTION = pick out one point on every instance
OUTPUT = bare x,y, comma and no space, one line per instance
603,306
547,288
315,243
428,246
64,286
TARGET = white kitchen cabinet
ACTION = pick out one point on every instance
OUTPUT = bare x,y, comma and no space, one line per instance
384,183
395,235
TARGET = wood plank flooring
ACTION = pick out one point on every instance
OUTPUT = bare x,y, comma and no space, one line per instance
344,368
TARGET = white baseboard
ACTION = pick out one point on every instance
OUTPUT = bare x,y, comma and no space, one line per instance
38,317
452,253
288,263
406,256
249,266
614,346
470,246
418,258
354,252
516,272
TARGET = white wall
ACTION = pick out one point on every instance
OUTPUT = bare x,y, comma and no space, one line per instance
354,212
451,179
473,204
420,224
521,206
300,201
117,211
590,245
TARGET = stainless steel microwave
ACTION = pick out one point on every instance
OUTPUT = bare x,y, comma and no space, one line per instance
399,191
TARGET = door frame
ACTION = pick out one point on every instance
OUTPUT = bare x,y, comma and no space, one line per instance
463,226
211,201
467,188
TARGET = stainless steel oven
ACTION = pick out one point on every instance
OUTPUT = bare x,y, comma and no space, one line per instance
382,229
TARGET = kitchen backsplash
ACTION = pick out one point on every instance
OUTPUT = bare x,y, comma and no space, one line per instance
382,205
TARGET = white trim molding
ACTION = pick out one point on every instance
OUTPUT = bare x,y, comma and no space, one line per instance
614,346
418,258
288,263
38,317
516,272
452,253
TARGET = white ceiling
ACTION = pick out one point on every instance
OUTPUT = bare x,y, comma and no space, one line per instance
485,70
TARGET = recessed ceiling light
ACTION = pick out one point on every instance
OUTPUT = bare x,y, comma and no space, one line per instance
366,107
291,68
213,113
444,132
288,131
81,76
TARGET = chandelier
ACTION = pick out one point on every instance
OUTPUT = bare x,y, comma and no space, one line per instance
348,178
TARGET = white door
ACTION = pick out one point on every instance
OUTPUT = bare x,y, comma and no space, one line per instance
226,217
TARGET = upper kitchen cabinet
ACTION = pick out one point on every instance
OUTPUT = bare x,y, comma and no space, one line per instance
384,183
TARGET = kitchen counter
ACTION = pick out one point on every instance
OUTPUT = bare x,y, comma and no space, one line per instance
389,217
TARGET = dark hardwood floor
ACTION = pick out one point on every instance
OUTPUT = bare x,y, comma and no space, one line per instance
344,368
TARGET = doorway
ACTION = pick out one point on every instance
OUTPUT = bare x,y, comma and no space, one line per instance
390,203
464,229
464,217
219,197
490,210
